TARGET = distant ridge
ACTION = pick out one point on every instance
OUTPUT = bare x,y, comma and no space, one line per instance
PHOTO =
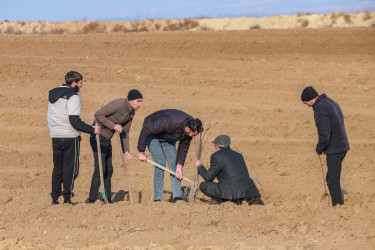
314,21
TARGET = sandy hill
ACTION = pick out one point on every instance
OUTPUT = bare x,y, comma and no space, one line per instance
334,20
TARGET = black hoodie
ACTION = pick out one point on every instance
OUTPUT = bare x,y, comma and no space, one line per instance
57,93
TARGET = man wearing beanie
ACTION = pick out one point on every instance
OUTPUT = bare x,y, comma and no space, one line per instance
160,132
116,116
333,140
229,167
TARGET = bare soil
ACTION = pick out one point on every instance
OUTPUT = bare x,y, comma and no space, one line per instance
247,84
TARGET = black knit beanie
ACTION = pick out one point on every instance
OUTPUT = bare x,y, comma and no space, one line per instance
308,94
134,94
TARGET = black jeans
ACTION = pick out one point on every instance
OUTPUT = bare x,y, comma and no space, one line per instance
334,164
106,152
65,165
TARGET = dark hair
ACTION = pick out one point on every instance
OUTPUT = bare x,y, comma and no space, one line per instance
195,125
72,76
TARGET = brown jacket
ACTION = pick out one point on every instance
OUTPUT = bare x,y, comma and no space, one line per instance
117,111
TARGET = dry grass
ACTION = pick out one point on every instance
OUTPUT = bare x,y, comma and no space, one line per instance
9,30
139,26
119,28
94,27
58,31
336,16
299,14
205,28
22,23
255,27
190,23
157,26
303,22
347,18
142,29
185,24
367,15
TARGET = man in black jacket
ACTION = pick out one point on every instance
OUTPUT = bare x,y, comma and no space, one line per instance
229,167
160,132
65,127
333,140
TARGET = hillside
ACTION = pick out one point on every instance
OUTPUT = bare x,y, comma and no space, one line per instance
334,20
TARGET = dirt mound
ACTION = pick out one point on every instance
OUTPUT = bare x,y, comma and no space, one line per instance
246,83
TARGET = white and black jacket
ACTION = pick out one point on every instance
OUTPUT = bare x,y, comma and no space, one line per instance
64,111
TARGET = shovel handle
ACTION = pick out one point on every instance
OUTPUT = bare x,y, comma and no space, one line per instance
126,171
105,198
169,171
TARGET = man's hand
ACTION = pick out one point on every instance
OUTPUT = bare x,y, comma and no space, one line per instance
128,155
142,156
179,174
118,128
316,152
96,129
197,163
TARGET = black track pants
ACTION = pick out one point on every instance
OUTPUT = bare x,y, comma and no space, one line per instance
66,165
106,152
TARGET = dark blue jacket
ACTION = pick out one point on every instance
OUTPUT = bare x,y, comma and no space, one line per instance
230,169
329,121
167,124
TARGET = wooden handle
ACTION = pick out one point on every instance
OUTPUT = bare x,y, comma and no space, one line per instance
169,171
126,171
101,168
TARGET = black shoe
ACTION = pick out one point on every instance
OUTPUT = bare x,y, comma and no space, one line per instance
68,201
238,201
55,201
176,199
254,201
157,200
90,201
214,202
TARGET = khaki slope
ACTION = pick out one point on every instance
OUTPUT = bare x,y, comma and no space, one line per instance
246,83
334,20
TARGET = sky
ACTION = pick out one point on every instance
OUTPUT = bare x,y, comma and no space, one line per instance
124,10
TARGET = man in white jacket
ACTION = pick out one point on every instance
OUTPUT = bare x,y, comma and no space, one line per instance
65,127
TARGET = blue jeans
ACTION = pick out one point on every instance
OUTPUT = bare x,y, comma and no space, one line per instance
162,151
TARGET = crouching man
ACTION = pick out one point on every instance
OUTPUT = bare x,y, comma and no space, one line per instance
234,183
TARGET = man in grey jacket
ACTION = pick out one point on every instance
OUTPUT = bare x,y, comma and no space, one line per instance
116,116
333,140
229,167
65,127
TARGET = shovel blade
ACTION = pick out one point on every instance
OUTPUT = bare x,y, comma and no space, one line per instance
104,196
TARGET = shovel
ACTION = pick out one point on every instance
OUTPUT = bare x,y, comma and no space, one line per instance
101,168
169,171
126,171
325,194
